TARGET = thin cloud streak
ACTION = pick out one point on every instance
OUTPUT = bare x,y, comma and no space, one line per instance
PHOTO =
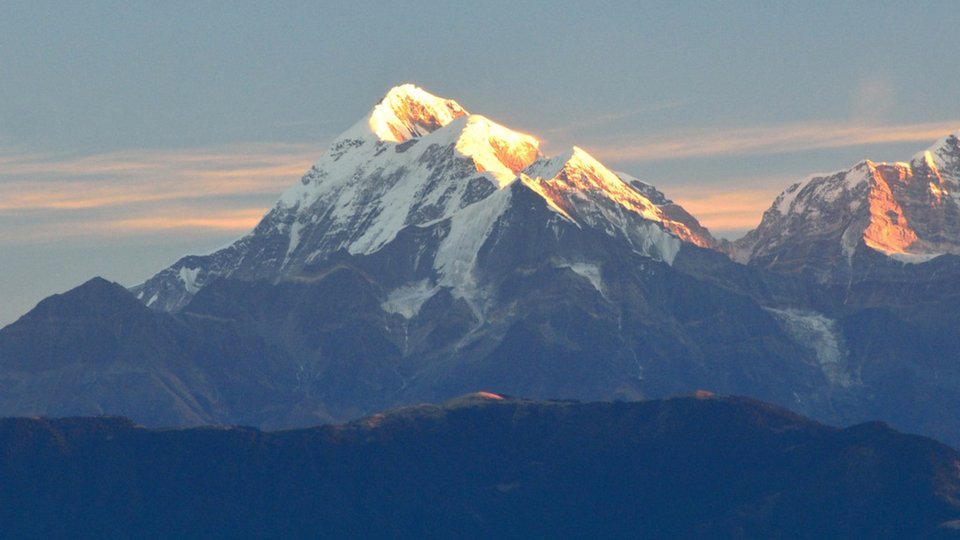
728,210
767,140
156,161
731,205
180,185
141,192
241,220
190,221
32,183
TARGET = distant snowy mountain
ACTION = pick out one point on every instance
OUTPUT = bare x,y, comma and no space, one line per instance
417,160
907,211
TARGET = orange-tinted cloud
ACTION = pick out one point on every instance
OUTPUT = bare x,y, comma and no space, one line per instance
32,182
51,197
727,210
190,221
729,207
241,220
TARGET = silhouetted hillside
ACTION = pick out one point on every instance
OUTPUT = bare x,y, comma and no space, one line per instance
482,467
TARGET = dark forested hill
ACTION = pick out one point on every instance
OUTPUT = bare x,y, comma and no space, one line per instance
482,467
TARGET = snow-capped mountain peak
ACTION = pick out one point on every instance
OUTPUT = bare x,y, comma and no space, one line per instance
421,161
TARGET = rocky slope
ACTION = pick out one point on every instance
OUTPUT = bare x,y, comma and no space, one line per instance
909,212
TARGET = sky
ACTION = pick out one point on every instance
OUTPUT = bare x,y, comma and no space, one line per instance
132,133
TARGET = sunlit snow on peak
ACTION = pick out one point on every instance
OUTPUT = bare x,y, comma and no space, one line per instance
497,150
567,181
408,111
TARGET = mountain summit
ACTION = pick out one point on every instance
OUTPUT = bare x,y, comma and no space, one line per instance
418,161
407,112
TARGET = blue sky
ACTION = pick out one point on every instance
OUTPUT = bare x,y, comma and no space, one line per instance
132,133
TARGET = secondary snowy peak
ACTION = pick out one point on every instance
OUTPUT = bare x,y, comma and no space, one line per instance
908,211
497,150
577,173
576,183
408,111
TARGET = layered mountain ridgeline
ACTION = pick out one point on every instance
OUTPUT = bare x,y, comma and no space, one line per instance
432,251
483,466
428,253
344,344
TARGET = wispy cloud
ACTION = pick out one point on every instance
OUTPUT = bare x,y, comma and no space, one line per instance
729,207
138,192
220,220
33,180
737,210
571,128
195,222
873,96
766,140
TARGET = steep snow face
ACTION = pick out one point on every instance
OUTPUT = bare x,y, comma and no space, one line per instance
494,149
577,176
889,230
421,161
584,191
909,211
360,200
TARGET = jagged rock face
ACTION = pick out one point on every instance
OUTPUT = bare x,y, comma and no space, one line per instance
414,161
908,211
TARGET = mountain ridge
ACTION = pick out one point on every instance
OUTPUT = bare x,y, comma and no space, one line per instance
480,466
